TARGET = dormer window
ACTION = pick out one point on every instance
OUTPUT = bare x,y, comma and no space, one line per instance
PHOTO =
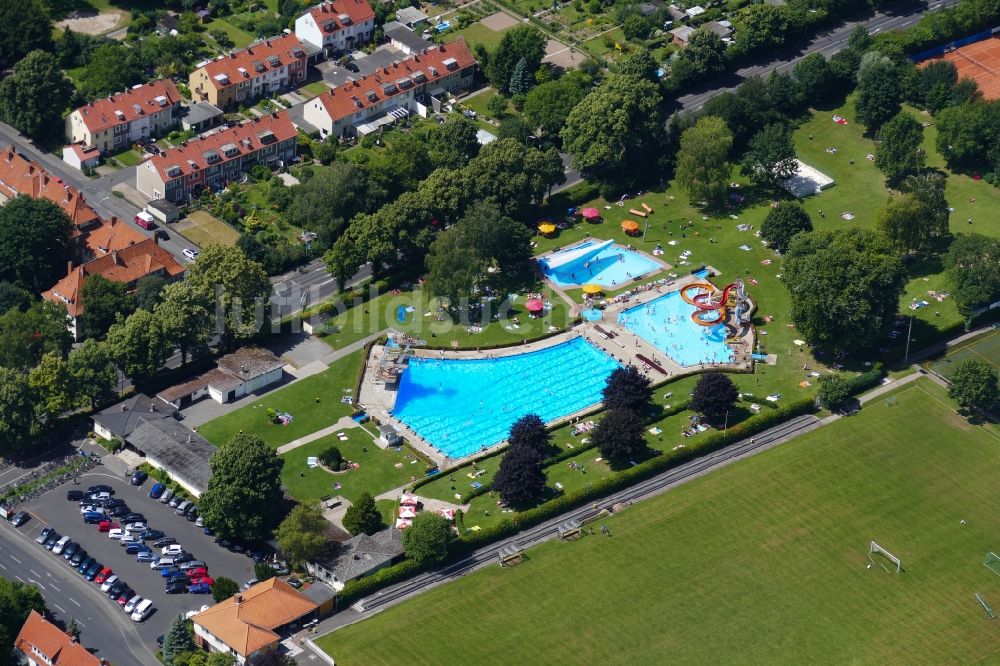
450,64
433,71
173,171
258,65
419,77
223,79
372,97
211,157
243,72
344,19
274,61
266,137
404,83
120,114
160,100
229,150
389,88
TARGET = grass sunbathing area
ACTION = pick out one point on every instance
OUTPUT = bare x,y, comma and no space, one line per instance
313,402
378,469
775,546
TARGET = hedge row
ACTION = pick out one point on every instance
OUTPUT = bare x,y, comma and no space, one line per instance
505,345
361,587
866,380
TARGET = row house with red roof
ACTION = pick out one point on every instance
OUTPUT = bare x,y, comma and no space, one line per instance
116,122
394,91
215,159
337,26
259,70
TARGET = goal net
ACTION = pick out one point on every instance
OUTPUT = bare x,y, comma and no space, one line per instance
992,562
879,555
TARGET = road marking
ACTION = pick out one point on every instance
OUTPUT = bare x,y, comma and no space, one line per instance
61,609
54,587
3,567
15,559
74,601
19,578
36,583
35,572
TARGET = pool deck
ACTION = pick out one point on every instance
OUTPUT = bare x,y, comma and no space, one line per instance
378,399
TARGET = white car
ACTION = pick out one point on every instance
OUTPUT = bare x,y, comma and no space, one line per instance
173,549
190,254
60,545
116,533
129,539
86,508
106,585
135,527
132,603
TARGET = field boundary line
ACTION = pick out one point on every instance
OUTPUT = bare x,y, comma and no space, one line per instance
957,413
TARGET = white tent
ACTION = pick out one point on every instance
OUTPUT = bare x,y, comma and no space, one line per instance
806,181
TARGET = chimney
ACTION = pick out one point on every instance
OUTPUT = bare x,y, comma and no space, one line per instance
69,267
238,599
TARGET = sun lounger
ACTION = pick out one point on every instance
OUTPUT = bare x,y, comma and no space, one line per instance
647,207
637,212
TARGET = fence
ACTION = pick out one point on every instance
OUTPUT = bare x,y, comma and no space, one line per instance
958,43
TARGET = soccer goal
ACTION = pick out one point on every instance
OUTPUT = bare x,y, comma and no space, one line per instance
992,562
875,549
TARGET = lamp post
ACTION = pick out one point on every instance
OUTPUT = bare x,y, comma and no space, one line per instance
644,230
725,426
909,330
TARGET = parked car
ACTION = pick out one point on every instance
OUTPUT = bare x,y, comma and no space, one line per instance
94,518
167,495
199,588
174,501
70,550
193,564
107,582
148,534
100,496
162,562
136,527
102,575
197,572
208,580
113,502
116,533
157,490
52,541
172,549
130,540
200,522
183,507
145,556
20,518
192,514
132,603
107,526
142,611
93,570
78,556
58,546
85,564
43,535
101,488
134,517
294,582
125,595
139,478
116,590
136,548
190,253
165,541
183,557
250,583
74,495
144,220
177,588
119,511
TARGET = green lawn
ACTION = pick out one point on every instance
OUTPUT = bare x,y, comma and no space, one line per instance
314,402
480,104
763,561
240,38
477,33
128,158
985,347
378,471
313,89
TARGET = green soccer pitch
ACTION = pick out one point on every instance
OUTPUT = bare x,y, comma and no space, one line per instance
764,561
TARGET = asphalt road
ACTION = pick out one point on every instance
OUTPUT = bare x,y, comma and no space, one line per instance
104,626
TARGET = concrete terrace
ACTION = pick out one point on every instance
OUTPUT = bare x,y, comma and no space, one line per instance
379,398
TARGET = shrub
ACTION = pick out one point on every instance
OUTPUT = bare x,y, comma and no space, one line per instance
331,457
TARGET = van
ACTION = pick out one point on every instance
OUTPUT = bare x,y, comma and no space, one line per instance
162,563
145,220
142,611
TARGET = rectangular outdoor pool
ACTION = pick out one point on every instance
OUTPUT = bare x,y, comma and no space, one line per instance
596,262
666,324
460,406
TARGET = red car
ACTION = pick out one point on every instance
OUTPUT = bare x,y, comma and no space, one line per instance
208,580
106,526
102,575
197,572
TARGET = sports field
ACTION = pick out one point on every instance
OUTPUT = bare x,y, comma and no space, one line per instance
204,229
985,347
761,562
979,61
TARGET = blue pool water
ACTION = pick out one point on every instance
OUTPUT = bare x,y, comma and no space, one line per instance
460,406
596,262
666,324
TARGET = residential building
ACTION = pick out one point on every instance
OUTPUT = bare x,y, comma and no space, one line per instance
81,157
394,91
238,374
127,265
201,117
259,70
41,643
358,557
251,622
215,159
163,210
118,121
681,35
411,17
112,235
19,175
404,39
336,26
724,29
118,421
167,444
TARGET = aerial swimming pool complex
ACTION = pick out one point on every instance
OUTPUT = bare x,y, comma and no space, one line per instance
666,324
460,406
596,262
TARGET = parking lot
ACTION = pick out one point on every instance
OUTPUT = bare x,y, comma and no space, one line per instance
52,509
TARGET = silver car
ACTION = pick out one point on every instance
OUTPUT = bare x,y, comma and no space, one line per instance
166,496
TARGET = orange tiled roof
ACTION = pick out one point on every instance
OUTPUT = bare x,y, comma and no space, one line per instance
125,107
19,175
347,99
248,625
112,235
326,14
254,60
51,641
244,138
125,265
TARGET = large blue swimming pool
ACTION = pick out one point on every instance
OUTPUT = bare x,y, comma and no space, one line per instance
460,406
596,262
666,324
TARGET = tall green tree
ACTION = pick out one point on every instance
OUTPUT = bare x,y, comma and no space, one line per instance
34,241
178,639
223,588
17,600
26,97
906,221
973,268
523,42
530,431
363,516
103,300
301,534
638,63
935,82
783,222
521,79
26,28
966,132
112,68
714,396
426,540
619,436
974,385
899,153
548,105
627,388
703,168
879,91
240,286
186,314
770,156
613,134
329,199
148,290
93,373
845,287
930,189
512,177
761,28
833,392
520,479
244,499
705,52
51,384
18,421
26,336
14,296
454,142
139,345
813,76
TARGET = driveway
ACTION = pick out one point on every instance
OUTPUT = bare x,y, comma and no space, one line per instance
84,601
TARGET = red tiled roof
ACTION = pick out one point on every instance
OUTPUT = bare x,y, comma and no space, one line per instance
82,152
133,103
111,236
51,641
278,124
19,175
327,13
253,57
125,265
347,99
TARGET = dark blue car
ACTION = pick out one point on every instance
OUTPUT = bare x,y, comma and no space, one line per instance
200,588
139,477
136,548
93,570
84,565
93,517
157,490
